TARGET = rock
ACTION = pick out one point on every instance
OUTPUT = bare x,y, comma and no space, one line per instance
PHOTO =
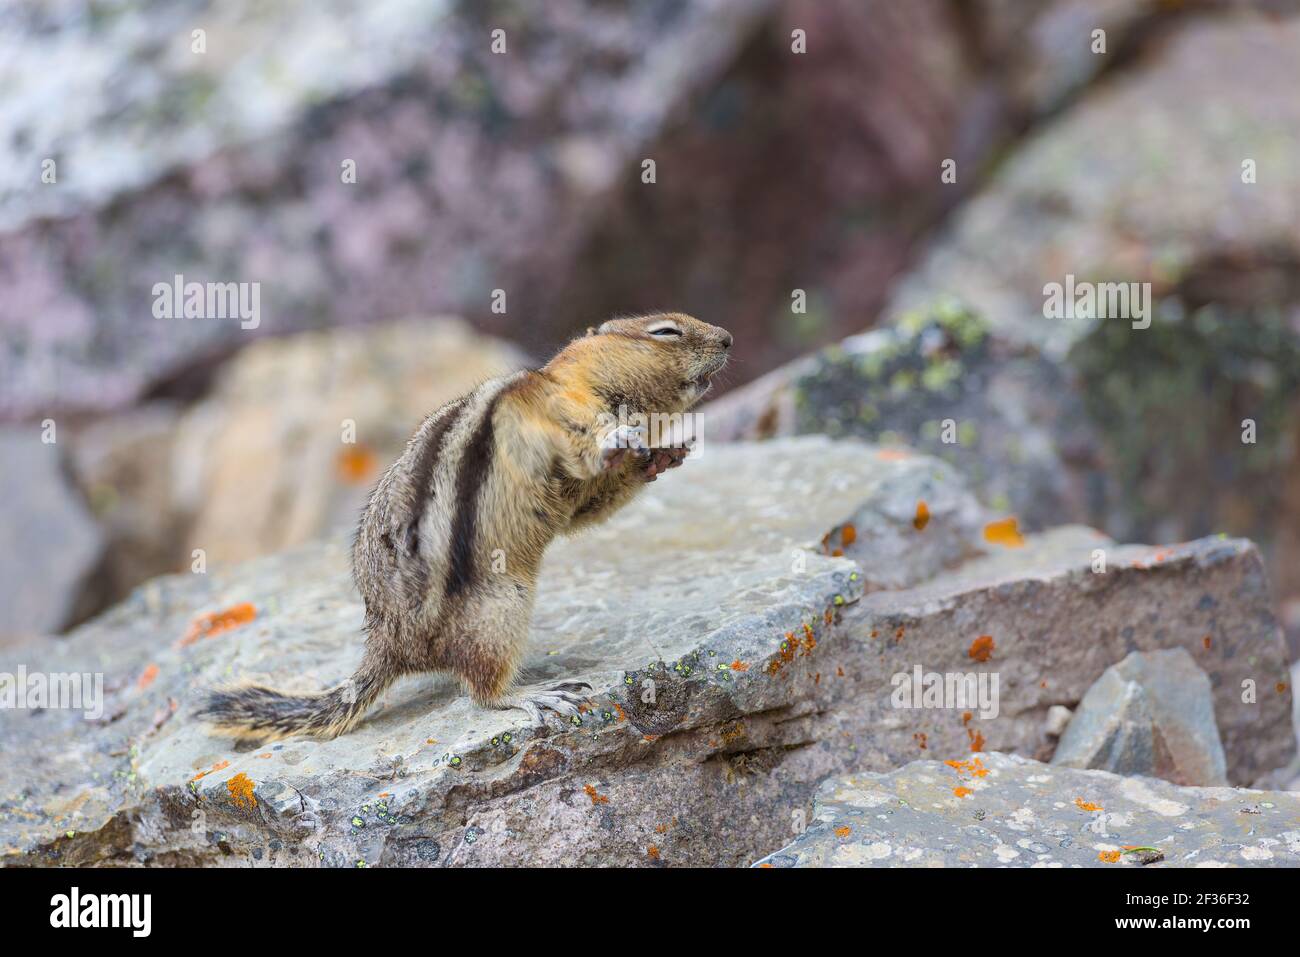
1002,810
938,381
49,541
772,669
297,429
351,186
123,465
1168,204
1058,717
1152,714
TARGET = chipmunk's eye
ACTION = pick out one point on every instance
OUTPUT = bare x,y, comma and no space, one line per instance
666,331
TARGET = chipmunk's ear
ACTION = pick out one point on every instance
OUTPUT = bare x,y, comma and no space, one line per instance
591,330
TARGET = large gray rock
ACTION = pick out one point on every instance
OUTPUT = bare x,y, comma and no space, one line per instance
474,170
1001,810
49,541
1151,714
772,671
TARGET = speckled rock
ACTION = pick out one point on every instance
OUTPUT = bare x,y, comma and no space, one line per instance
1152,714
1200,199
772,670
49,541
386,163
1001,810
939,381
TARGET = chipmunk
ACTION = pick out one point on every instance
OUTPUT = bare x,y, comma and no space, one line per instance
448,549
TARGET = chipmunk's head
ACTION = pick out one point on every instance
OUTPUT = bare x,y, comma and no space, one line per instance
684,355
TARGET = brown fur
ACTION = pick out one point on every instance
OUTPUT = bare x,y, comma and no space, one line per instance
448,550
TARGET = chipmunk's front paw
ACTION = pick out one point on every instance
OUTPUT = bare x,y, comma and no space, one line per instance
624,443
661,460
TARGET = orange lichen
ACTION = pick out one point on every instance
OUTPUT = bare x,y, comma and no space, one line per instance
596,798
1005,531
848,534
1206,642
843,831
893,455
1281,687
241,791
213,624
148,677
1110,857
790,647
921,739
976,739
922,518
739,665
962,792
661,828
981,648
356,464
965,718
973,767
652,852
219,766
1087,805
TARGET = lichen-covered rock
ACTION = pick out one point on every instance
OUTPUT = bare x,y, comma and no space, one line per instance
49,541
734,665
1152,714
385,163
939,381
1197,200
1001,810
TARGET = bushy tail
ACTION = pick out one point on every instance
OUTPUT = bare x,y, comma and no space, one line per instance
264,713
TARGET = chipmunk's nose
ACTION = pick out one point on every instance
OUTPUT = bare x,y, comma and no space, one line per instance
726,340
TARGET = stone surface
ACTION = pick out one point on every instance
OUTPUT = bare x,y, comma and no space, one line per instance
123,465
1001,810
473,171
772,669
1152,714
1164,204
49,541
941,382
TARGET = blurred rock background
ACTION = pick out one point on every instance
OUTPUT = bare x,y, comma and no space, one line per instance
775,173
